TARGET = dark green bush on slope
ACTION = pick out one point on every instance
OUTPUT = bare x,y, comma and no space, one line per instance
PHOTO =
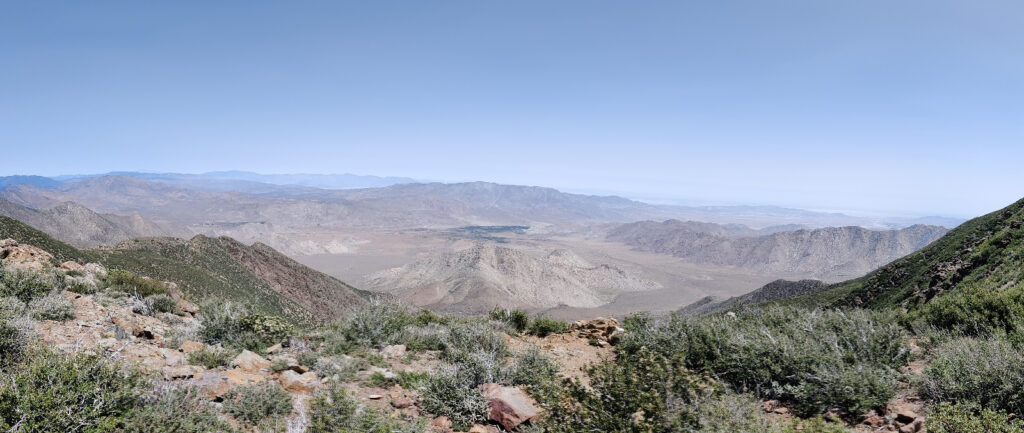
54,392
815,360
986,372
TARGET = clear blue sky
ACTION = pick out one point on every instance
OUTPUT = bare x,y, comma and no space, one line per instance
913,107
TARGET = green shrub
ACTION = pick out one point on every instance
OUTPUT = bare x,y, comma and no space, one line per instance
516,320
11,307
254,404
53,392
80,285
988,372
449,393
345,367
15,335
816,360
267,328
24,284
52,307
235,326
963,418
533,369
332,410
212,357
645,392
426,337
375,324
134,284
378,380
544,326
169,409
162,303
728,413
412,379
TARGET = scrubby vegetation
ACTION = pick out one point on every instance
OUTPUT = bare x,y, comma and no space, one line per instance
814,360
234,325
262,404
333,410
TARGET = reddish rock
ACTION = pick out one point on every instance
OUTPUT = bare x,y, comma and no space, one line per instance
509,406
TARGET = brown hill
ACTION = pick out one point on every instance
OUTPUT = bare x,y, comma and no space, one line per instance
831,253
486,275
79,226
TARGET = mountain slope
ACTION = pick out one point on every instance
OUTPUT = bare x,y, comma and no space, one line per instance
985,253
831,253
486,275
80,226
224,269
773,291
26,234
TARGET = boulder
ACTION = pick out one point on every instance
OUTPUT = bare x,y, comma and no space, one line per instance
509,406
212,385
242,377
393,351
28,257
191,346
295,382
249,361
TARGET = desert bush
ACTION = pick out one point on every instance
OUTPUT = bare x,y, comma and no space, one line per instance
267,328
515,320
11,307
451,392
254,404
645,392
544,326
472,336
236,326
975,311
345,367
423,337
375,324
162,303
53,392
332,410
965,418
80,285
727,412
15,336
988,372
172,409
532,369
212,357
809,358
53,306
135,284
25,285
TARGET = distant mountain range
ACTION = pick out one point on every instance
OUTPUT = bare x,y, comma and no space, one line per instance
486,275
831,253
176,201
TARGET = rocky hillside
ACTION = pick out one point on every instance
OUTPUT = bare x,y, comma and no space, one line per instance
832,253
213,268
486,275
78,225
222,268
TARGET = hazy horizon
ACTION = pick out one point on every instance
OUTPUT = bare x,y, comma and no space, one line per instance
910,108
